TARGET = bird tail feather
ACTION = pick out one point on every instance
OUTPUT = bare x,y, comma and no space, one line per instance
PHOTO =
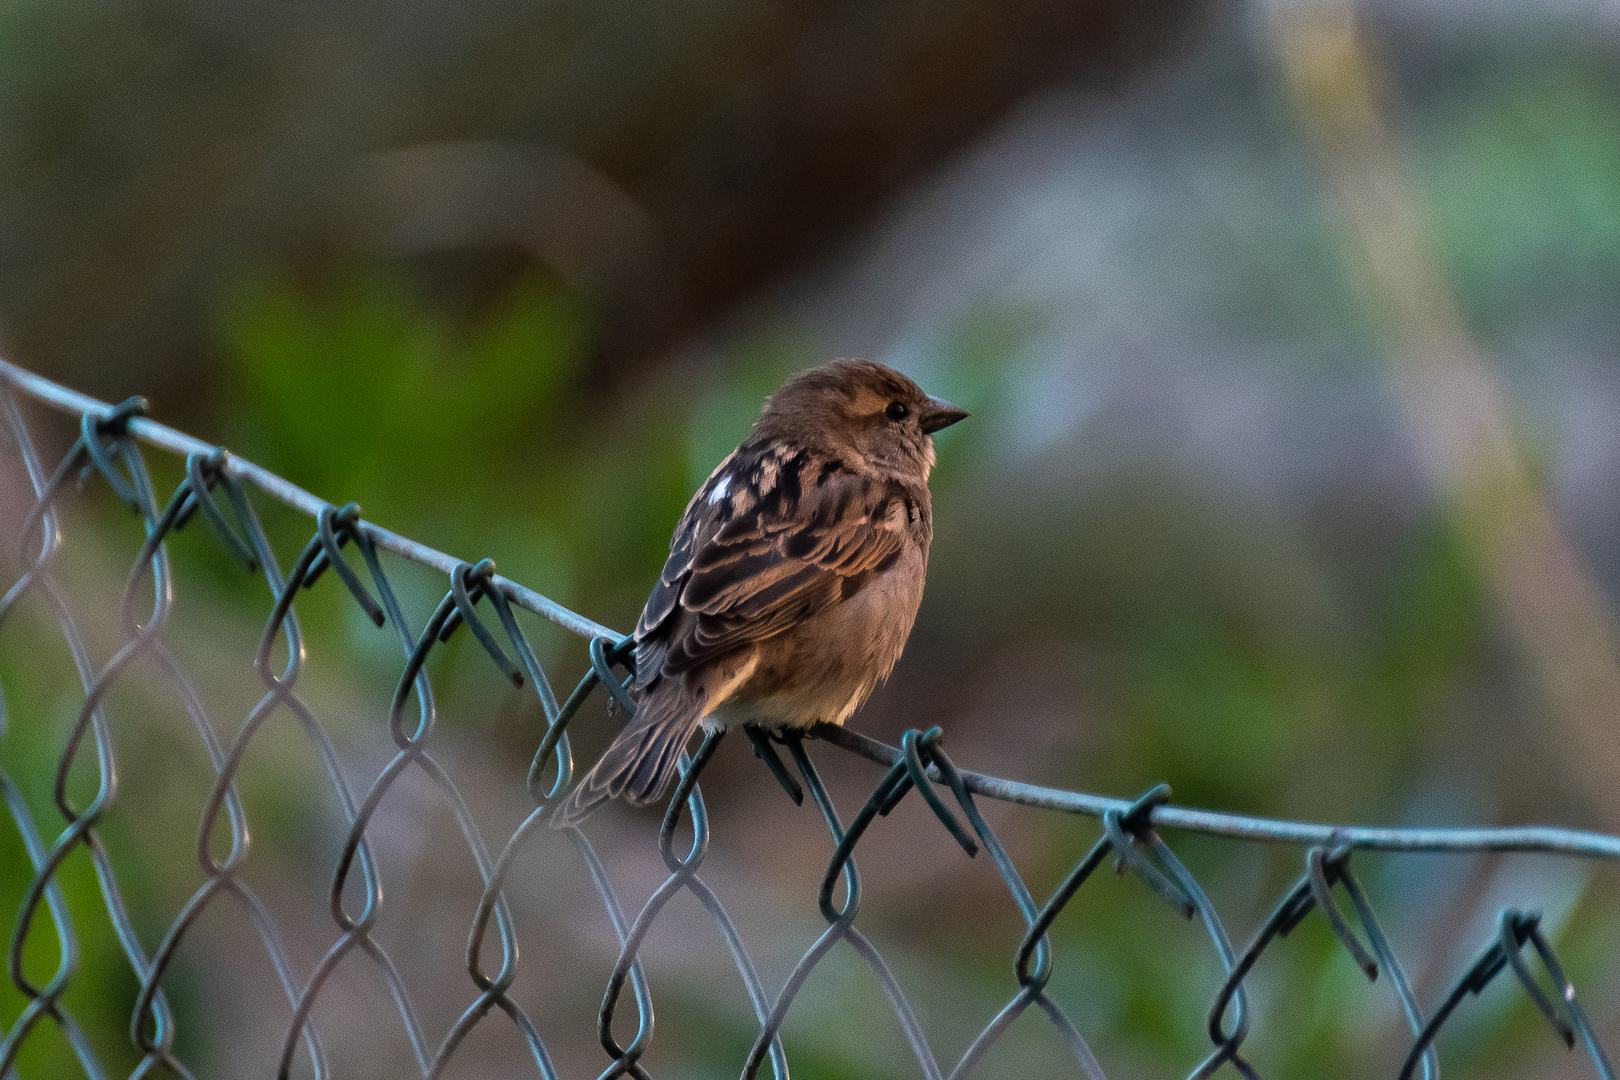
642,760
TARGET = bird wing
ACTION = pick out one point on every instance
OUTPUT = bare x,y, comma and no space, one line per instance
772,538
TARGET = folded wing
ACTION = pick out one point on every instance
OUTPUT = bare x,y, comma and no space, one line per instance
789,535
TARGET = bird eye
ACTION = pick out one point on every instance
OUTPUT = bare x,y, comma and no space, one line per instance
897,410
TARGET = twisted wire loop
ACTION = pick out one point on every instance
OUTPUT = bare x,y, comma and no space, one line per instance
214,487
1514,929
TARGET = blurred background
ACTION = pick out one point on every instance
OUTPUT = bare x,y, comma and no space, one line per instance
1290,333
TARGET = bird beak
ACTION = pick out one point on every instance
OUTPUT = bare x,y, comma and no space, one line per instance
941,414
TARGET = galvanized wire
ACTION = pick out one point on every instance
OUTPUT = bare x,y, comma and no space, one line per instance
109,447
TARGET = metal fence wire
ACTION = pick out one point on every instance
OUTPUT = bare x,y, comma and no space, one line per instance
110,447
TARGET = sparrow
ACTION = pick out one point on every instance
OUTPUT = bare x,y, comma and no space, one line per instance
793,577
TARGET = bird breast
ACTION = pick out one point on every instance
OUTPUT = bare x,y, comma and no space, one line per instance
825,667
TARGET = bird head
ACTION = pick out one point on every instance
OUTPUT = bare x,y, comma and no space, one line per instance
869,416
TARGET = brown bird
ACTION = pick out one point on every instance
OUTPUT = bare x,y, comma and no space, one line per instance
793,577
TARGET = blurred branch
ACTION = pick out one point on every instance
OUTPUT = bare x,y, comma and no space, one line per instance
1454,402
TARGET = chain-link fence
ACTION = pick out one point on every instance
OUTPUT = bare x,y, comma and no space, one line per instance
45,958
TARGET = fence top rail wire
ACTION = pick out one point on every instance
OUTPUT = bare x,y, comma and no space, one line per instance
1551,839
1528,838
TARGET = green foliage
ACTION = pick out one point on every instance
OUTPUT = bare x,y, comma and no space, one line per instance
364,388
1523,181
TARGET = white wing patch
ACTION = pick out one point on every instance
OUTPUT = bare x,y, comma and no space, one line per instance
720,489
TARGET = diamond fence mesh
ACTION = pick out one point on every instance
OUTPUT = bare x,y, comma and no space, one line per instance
45,958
